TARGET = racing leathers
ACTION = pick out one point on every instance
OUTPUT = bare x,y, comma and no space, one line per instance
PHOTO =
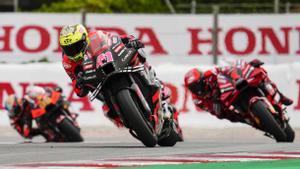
74,70
20,112
22,121
208,98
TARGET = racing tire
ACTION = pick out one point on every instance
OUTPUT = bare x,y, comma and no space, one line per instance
69,131
290,133
133,115
269,124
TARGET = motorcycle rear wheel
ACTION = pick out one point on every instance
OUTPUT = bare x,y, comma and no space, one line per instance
269,124
133,115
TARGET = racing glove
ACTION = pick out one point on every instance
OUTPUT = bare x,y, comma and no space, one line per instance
80,81
80,85
135,43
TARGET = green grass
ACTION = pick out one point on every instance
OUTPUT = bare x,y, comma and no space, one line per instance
278,164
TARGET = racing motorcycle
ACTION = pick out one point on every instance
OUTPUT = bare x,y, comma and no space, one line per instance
54,119
115,74
247,95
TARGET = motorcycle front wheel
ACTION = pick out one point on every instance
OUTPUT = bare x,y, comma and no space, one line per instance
133,115
69,131
267,121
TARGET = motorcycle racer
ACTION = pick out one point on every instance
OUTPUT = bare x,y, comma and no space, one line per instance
205,90
19,112
77,43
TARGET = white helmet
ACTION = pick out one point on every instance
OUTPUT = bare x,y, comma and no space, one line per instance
34,91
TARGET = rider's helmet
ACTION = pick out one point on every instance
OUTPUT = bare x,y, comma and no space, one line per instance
74,41
34,91
13,105
194,80
58,89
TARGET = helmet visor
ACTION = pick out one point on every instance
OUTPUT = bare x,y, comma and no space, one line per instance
75,48
198,87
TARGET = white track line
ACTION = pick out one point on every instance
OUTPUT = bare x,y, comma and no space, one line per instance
173,159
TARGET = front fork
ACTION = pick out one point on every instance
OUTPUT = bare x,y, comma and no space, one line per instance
155,116
279,116
273,97
155,119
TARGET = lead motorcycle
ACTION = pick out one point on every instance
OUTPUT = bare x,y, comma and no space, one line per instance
54,119
246,94
115,74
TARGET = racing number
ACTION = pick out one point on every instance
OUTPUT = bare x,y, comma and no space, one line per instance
104,58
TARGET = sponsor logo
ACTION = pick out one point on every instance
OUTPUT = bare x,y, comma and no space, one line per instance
119,47
91,71
90,77
259,39
104,58
89,66
114,39
67,65
122,51
191,79
126,56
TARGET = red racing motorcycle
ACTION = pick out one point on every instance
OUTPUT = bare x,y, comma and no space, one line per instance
247,94
116,75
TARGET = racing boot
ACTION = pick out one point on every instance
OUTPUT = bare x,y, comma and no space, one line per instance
171,132
170,112
285,100
175,114
272,90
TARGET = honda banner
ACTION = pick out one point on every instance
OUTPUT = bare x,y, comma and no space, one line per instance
167,38
15,78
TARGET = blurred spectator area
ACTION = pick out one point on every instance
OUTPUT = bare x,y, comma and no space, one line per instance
236,6
23,5
6,5
153,6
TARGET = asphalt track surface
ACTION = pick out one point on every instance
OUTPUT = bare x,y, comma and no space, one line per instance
107,143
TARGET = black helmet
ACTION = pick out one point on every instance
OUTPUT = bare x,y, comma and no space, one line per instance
195,82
